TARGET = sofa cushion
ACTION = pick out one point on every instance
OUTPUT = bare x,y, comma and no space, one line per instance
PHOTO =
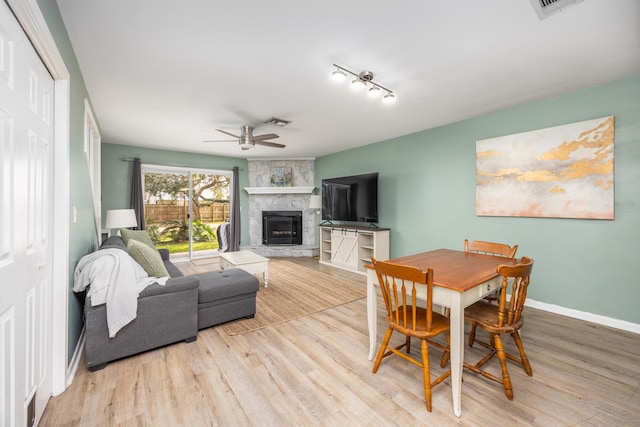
139,235
114,242
217,285
148,258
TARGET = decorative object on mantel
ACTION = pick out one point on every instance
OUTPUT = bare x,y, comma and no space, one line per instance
281,177
558,172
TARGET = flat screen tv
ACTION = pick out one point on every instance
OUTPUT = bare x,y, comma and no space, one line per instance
350,198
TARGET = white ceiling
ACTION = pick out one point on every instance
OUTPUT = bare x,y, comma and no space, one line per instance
166,74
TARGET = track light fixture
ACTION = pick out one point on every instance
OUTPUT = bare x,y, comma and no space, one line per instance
362,81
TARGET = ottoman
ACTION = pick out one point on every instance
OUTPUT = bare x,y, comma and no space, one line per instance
226,295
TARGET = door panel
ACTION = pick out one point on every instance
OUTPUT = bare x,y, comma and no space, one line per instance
26,131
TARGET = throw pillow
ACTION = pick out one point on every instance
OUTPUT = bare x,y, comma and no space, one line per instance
139,235
148,258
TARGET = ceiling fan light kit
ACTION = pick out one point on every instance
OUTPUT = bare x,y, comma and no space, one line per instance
248,140
363,80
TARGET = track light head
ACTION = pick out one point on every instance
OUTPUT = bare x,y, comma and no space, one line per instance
358,84
389,98
338,75
374,92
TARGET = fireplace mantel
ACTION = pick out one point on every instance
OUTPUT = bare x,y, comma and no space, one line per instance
279,190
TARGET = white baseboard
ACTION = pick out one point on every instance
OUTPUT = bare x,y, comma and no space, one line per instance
75,360
582,315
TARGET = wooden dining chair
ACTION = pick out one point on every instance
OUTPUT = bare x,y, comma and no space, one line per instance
490,248
501,319
400,286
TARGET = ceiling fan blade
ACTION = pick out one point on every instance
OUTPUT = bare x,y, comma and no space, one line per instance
265,136
225,132
268,144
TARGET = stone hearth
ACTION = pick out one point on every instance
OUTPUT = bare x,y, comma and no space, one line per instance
295,198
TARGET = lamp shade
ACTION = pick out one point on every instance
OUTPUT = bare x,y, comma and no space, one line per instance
121,218
315,202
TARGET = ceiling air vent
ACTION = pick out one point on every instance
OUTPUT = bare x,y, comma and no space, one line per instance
546,8
278,122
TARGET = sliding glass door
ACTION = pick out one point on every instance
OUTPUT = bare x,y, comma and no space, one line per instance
184,208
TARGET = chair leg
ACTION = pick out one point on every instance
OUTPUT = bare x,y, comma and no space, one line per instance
446,353
383,347
408,344
472,334
506,379
426,373
523,356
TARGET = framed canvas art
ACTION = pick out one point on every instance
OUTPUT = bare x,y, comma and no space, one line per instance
281,177
558,172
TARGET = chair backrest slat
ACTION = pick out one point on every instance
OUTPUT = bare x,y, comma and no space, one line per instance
515,280
490,248
400,285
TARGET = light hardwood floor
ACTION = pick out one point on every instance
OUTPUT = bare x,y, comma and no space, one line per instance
314,371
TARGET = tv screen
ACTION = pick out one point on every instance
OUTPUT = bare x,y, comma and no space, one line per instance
350,198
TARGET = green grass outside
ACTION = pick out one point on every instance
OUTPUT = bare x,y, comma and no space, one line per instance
184,246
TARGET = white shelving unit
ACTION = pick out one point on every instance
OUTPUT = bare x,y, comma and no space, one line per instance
350,248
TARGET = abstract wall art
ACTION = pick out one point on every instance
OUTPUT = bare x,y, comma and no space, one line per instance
558,172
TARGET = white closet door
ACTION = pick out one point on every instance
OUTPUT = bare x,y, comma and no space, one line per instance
26,137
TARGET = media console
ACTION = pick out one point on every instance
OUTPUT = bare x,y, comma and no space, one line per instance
350,248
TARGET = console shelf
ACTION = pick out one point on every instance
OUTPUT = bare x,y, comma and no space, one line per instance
351,248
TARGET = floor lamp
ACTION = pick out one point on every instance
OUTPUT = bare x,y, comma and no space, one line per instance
315,203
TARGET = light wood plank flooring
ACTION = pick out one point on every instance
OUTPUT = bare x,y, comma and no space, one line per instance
314,371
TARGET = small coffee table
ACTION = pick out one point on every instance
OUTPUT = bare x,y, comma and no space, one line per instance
248,261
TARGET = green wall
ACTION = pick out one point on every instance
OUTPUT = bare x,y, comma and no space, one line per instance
427,193
116,174
82,234
427,198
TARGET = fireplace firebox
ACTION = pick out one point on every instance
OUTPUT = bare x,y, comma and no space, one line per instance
281,228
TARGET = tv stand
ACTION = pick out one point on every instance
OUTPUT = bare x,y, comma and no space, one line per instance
351,248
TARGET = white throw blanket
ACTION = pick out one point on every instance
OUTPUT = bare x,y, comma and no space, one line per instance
116,279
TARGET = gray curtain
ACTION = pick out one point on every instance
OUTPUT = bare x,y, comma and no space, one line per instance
137,193
234,229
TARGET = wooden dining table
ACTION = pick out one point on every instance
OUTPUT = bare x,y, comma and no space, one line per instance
460,279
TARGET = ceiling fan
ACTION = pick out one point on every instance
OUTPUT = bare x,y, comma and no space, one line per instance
247,139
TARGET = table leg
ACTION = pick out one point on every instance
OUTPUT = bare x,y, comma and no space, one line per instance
265,276
457,351
372,315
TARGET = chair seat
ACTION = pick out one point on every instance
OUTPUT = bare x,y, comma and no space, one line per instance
486,315
439,324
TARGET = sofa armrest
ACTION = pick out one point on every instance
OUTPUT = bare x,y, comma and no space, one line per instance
166,314
164,254
174,284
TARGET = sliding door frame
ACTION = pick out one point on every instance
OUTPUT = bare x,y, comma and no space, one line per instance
189,171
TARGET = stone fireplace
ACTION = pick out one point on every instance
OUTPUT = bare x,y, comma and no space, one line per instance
263,197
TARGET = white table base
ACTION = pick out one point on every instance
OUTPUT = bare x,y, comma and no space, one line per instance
248,261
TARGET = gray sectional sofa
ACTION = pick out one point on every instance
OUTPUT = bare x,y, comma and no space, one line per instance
169,313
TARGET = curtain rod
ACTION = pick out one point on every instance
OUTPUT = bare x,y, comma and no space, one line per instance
177,165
